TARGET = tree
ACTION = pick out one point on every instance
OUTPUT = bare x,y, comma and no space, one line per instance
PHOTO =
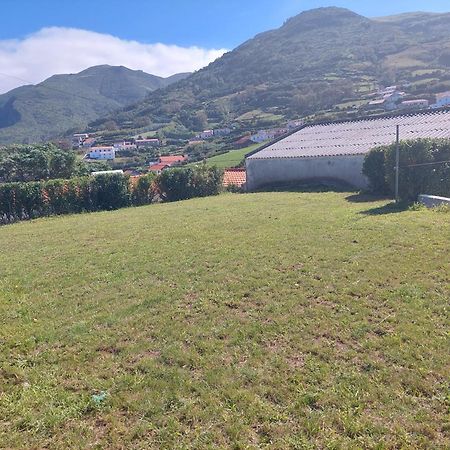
36,162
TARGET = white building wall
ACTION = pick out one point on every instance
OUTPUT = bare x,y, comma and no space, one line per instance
261,172
102,154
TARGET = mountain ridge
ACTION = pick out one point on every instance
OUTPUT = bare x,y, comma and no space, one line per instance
48,109
314,61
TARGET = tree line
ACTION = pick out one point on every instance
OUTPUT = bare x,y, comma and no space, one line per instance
22,163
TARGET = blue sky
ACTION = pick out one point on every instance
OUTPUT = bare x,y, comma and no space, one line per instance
206,23
39,38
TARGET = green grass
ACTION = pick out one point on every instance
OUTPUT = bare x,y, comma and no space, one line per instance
259,115
230,159
272,320
350,104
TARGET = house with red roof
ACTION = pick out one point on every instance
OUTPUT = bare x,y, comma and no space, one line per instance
158,168
243,142
173,160
234,177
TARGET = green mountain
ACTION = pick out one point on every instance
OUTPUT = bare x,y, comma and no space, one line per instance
62,102
314,62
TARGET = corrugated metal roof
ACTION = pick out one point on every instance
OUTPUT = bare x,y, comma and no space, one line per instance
356,137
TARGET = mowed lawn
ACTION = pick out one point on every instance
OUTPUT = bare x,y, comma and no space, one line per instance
271,320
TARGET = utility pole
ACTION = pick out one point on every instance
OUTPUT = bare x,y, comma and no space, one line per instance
397,164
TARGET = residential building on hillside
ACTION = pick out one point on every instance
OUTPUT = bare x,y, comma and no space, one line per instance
415,104
104,153
89,142
243,142
206,134
164,162
388,101
388,90
148,142
78,139
158,168
336,150
125,145
442,100
222,132
262,136
173,160
295,124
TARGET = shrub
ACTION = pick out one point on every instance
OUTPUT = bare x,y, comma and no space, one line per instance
181,184
374,169
110,191
20,201
234,188
422,170
143,191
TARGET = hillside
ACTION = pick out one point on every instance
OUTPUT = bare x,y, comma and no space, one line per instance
315,61
322,324
63,102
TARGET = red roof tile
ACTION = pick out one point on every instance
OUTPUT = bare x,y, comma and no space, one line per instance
236,177
158,167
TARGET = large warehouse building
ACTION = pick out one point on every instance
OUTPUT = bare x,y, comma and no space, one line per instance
336,150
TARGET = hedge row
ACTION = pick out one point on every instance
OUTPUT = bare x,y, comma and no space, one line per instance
424,168
22,201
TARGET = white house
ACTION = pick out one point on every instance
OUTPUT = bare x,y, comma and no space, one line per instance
222,131
105,153
389,99
263,135
336,150
388,90
78,139
295,124
206,134
442,99
392,99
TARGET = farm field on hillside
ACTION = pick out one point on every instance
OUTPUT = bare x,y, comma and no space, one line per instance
230,159
271,320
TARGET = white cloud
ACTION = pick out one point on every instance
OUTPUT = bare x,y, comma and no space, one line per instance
69,50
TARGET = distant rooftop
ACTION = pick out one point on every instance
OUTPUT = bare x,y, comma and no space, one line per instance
356,137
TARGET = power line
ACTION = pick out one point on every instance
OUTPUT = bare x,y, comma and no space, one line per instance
428,164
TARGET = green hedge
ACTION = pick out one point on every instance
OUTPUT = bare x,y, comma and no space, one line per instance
22,201
425,177
197,181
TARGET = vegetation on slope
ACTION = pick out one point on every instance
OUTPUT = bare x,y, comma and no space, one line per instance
278,320
62,102
316,60
232,158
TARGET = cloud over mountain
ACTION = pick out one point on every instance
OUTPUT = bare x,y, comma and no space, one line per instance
68,50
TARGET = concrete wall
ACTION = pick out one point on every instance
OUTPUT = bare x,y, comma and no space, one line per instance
431,201
261,172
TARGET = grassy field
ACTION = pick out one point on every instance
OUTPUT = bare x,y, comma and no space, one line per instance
271,320
230,159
